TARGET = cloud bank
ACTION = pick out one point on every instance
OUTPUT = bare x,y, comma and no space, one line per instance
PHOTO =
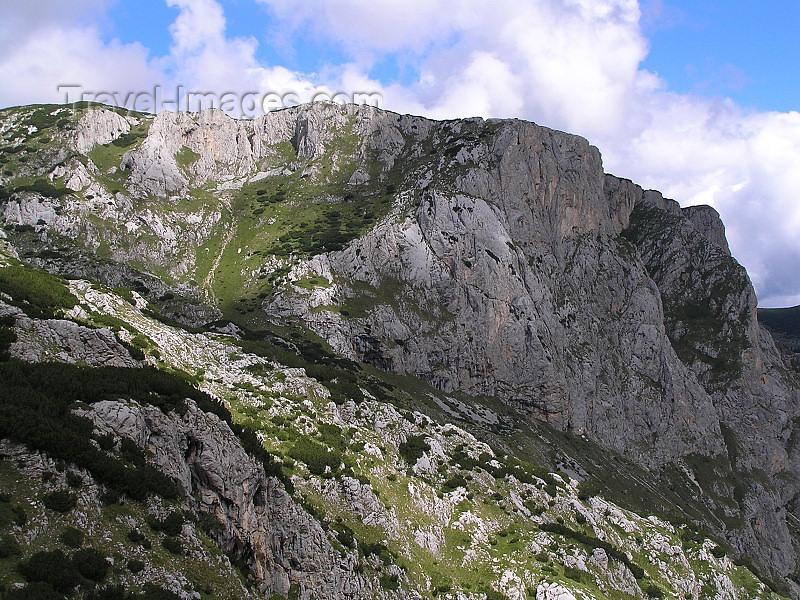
573,65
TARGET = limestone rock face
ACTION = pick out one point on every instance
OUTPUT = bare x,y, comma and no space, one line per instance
506,264
516,268
553,591
510,278
707,222
256,521
65,341
99,126
710,319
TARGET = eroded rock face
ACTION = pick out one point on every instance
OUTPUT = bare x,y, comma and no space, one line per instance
510,266
515,268
710,319
553,591
508,277
706,222
256,521
40,340
99,126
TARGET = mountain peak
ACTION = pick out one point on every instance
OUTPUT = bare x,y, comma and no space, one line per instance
492,267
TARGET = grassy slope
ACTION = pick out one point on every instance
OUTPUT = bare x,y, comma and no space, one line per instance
286,410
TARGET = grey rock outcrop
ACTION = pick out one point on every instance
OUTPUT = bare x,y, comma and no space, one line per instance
710,318
100,126
255,520
509,265
218,147
707,222
515,268
508,277
40,340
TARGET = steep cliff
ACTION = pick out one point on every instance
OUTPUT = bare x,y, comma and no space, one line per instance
338,495
488,258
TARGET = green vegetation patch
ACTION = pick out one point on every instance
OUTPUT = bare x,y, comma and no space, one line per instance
413,448
39,294
35,410
186,157
42,187
319,459
107,157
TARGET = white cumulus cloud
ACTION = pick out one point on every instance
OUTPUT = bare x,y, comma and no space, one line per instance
576,65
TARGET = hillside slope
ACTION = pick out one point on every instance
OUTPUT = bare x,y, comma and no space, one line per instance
492,259
339,494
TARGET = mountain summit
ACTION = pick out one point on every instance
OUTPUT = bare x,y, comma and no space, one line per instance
466,299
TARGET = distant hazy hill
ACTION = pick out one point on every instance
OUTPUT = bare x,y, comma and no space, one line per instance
782,323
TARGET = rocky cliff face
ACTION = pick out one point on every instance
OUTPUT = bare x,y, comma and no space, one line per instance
489,258
412,505
511,279
253,519
710,318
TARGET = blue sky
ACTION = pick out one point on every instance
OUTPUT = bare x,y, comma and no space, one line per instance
696,99
746,50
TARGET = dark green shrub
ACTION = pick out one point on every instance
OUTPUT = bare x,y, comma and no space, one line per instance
574,574
42,119
36,590
137,537
8,546
171,525
91,563
127,139
343,391
691,535
376,549
74,480
106,441
332,435
35,405
61,501
653,591
390,582
110,592
442,586
44,188
20,516
39,294
51,567
72,537
7,337
316,456
151,591
173,544
587,489
413,448
135,565
718,552
344,534
455,481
